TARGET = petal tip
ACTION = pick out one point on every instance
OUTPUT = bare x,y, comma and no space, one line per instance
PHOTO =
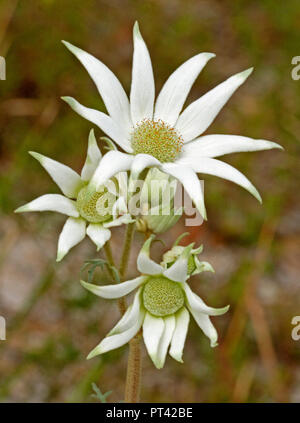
96,351
177,357
36,156
210,55
60,256
20,209
136,30
244,75
278,146
68,45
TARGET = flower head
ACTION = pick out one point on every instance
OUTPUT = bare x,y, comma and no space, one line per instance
161,307
158,211
90,212
159,133
194,266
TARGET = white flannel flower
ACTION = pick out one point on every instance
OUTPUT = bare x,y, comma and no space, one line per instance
159,133
161,307
90,213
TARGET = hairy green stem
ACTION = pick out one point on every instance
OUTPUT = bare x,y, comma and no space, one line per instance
134,364
110,259
133,377
134,371
126,249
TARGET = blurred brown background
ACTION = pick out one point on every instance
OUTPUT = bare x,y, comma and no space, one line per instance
52,322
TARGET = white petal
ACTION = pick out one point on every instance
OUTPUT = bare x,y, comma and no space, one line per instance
218,145
66,178
176,89
190,182
140,162
142,85
72,233
122,220
222,170
112,162
51,202
197,117
98,234
178,271
179,335
153,328
115,341
206,325
92,159
202,266
108,85
103,121
130,316
114,291
144,263
164,342
119,207
199,306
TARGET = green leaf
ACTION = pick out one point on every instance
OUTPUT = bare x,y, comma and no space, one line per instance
93,264
98,394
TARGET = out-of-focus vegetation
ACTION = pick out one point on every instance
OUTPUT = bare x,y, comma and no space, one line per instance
52,322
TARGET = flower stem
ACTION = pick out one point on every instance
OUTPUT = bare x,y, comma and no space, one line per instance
133,377
126,249
110,259
134,371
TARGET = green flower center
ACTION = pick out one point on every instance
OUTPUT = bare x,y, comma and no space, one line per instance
156,138
162,296
95,207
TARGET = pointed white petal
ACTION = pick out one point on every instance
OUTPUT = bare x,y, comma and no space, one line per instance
206,325
109,87
66,178
190,182
164,342
122,220
198,250
199,306
179,335
114,291
176,89
218,145
144,263
72,233
98,234
112,163
140,162
142,85
197,117
51,202
103,121
202,266
119,207
130,316
222,170
92,159
178,271
115,341
153,328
